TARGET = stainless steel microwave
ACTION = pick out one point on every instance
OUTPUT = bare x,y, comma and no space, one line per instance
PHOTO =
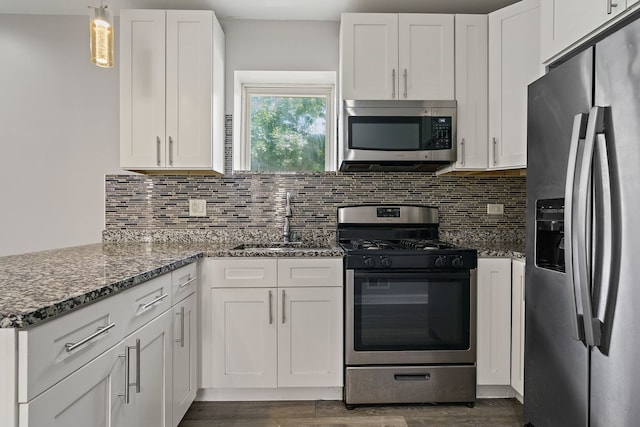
397,135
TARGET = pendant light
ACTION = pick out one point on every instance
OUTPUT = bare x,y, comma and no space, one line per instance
101,36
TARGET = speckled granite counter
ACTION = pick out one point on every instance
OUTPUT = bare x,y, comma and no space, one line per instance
498,249
37,286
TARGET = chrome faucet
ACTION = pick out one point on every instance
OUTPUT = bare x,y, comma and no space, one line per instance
287,215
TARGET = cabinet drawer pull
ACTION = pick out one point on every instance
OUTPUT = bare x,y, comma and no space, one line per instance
610,6
495,142
462,154
69,347
154,302
270,308
188,282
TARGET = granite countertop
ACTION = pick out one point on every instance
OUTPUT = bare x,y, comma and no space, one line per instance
498,249
37,286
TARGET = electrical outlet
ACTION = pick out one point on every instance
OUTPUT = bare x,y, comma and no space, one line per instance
495,209
197,207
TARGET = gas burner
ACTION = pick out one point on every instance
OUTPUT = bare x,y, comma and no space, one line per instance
371,244
424,245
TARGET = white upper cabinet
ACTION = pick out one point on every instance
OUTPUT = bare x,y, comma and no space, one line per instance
171,90
369,55
425,56
397,56
567,23
514,62
471,92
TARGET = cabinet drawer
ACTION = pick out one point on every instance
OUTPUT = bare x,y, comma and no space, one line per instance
310,272
50,352
145,302
245,273
184,282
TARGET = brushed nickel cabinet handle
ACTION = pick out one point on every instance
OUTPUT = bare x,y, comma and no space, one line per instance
181,339
154,302
69,347
170,151
405,82
610,6
188,282
158,143
462,152
393,83
270,309
495,142
283,306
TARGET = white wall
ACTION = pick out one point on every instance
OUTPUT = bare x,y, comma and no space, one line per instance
59,130
60,123
278,46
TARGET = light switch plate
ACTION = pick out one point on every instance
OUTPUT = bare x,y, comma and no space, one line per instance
197,207
495,209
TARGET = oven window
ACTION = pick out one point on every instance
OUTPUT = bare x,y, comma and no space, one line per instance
420,311
385,133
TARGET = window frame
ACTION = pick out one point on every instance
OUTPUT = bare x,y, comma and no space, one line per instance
281,83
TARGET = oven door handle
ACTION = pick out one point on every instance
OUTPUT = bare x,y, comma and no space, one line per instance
412,377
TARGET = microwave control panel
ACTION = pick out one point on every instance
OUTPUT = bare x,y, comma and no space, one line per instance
440,134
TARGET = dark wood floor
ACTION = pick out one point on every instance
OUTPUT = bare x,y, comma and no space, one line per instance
487,412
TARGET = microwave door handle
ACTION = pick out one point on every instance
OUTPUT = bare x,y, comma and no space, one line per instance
577,139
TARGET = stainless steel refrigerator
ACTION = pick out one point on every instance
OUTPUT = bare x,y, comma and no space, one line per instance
582,325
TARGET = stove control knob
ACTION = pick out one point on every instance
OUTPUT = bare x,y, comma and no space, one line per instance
385,261
441,261
368,261
457,262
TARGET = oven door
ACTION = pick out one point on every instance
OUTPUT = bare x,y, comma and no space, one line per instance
410,317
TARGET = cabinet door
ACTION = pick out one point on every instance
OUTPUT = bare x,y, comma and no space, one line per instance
471,90
517,326
244,338
310,337
369,56
494,321
185,360
92,396
425,56
565,22
142,88
150,397
514,62
189,67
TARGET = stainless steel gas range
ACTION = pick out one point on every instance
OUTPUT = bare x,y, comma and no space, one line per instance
410,308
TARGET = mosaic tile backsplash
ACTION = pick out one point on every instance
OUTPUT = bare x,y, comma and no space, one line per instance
255,202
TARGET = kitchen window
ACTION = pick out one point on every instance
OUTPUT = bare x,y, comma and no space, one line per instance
286,122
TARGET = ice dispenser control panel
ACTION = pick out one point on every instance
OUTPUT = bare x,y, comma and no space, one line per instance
550,234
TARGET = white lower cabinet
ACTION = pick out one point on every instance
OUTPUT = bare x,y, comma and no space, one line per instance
267,336
89,397
517,326
112,364
309,337
185,355
494,321
244,337
96,394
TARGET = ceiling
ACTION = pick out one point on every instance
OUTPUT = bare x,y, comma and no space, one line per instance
315,10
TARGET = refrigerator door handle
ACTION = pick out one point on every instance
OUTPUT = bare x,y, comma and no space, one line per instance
595,125
577,135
